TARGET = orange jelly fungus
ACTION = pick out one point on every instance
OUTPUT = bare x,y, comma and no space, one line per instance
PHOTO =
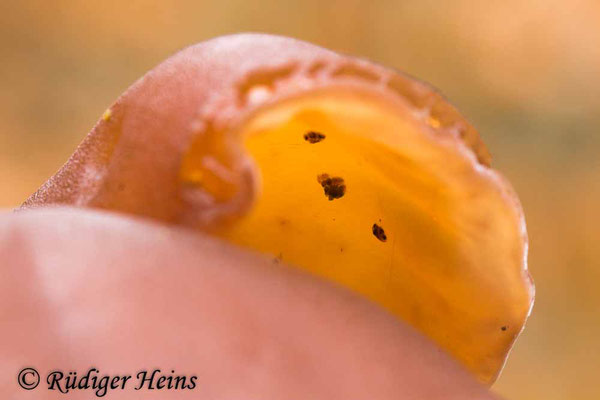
352,171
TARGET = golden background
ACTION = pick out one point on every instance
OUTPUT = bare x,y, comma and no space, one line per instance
526,73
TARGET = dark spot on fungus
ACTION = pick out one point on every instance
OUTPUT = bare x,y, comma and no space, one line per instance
334,187
504,328
379,233
278,259
313,137
284,222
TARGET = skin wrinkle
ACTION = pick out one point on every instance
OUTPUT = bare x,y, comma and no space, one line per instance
149,295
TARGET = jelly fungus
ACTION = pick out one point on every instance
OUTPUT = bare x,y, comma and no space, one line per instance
227,137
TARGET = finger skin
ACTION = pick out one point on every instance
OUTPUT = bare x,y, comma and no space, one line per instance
81,289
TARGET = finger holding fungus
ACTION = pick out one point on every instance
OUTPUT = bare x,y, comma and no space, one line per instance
227,137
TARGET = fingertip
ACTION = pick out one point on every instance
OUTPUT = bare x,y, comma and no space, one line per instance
122,293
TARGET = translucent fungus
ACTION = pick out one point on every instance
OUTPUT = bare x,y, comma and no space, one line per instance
335,165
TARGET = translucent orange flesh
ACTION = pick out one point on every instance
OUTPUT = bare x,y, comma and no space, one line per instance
344,168
356,191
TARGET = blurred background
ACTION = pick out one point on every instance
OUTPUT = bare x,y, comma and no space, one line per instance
526,73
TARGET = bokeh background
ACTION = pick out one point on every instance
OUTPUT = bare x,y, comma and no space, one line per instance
526,73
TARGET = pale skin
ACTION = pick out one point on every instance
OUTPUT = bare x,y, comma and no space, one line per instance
87,288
